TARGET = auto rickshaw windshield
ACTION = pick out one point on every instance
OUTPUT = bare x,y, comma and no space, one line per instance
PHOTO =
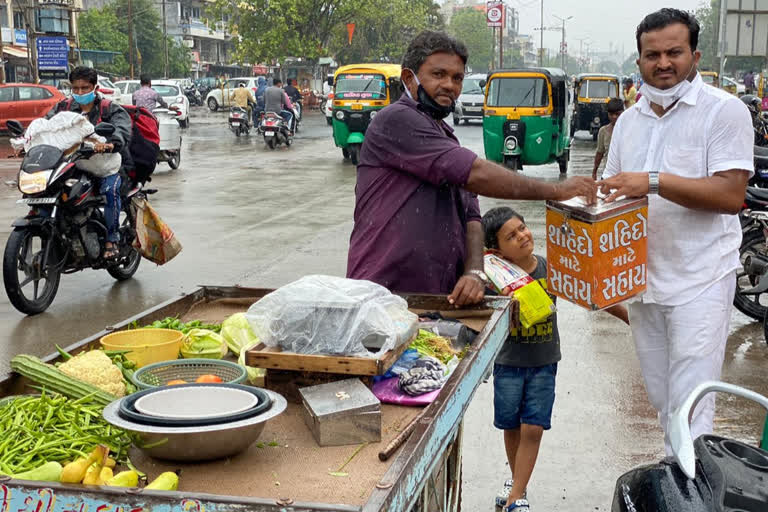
708,79
472,86
518,92
598,89
360,86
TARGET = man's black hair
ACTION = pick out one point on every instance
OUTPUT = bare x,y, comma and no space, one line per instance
84,73
493,220
615,105
145,80
665,17
429,42
276,81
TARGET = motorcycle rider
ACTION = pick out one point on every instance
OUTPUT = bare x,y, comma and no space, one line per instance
755,107
294,95
276,100
243,98
261,87
86,100
146,96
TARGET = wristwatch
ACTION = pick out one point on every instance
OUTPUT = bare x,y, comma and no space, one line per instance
653,182
479,274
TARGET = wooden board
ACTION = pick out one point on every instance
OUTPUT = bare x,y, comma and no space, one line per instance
273,358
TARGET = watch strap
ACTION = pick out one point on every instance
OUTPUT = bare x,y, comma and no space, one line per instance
653,182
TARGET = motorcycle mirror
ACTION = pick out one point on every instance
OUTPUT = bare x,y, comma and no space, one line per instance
14,127
482,83
104,129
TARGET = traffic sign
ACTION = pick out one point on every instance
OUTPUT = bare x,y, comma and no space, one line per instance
494,13
52,56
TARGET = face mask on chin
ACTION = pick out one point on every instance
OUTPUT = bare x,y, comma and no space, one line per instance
427,104
667,97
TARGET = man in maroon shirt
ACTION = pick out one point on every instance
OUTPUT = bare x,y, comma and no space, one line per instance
417,218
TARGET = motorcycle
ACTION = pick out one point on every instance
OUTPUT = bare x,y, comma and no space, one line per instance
710,474
275,130
194,96
239,121
64,230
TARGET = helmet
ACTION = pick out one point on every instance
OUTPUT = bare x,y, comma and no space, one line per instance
753,103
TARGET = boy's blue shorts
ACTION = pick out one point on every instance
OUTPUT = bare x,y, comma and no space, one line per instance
523,395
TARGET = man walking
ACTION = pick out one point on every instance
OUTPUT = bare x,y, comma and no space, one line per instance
689,148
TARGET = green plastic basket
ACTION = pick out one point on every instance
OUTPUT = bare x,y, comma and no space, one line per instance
159,374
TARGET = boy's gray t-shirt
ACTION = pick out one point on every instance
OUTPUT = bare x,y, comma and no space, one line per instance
537,346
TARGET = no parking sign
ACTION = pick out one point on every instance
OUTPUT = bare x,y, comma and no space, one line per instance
494,13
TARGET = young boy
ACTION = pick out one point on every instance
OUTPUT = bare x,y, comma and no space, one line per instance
525,369
615,107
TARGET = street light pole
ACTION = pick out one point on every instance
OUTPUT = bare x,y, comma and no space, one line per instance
165,42
563,54
541,46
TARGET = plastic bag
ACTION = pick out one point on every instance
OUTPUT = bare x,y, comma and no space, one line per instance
101,165
238,335
509,279
333,315
154,239
63,131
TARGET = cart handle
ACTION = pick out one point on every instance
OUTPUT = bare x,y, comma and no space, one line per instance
680,430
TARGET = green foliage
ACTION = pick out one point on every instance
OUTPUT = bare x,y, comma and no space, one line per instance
709,20
383,30
107,29
469,26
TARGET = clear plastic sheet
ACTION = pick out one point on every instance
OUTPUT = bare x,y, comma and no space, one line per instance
333,315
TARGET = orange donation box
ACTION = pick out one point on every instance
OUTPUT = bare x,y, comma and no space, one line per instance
596,255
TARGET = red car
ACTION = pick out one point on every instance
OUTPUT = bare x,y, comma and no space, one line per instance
26,102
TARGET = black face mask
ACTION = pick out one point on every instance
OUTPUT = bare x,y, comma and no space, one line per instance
428,105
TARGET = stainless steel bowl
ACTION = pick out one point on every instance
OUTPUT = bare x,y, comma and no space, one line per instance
191,444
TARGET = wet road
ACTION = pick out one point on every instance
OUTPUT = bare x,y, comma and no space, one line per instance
252,216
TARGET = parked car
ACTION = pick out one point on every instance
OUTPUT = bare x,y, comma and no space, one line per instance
108,89
733,87
170,91
220,96
26,102
470,104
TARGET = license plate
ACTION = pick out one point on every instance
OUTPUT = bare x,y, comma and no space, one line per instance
269,134
472,109
235,123
37,200
357,106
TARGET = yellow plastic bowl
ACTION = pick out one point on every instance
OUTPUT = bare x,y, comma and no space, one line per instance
148,345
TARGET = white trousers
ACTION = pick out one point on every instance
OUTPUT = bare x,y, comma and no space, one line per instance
680,347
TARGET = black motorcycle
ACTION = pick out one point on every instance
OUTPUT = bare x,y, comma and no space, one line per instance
275,130
710,474
194,96
239,121
64,230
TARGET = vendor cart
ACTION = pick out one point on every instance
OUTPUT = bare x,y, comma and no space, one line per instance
170,137
287,471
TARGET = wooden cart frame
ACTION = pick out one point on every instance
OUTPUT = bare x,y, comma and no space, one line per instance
424,476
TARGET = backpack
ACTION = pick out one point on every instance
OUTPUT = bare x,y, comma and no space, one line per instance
144,146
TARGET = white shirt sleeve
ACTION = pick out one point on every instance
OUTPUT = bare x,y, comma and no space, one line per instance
731,139
613,164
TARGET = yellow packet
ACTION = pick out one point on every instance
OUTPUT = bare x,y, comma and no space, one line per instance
509,279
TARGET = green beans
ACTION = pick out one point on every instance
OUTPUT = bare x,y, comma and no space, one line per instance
176,324
47,428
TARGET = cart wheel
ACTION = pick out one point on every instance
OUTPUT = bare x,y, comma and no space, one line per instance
512,163
173,162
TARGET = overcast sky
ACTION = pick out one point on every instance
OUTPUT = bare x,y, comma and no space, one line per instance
602,21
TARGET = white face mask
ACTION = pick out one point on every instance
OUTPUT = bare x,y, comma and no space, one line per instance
667,97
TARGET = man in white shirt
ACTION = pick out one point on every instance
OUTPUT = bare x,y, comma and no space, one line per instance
689,148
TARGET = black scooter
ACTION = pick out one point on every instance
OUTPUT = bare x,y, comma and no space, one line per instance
710,474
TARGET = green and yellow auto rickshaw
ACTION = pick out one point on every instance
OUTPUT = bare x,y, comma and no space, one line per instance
360,91
526,117
592,92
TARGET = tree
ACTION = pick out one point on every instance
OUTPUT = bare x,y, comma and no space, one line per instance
708,17
469,26
107,29
383,30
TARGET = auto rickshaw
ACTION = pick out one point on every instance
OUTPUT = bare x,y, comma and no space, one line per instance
592,92
526,117
710,78
360,91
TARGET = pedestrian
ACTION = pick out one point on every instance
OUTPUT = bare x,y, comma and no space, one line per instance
630,93
749,82
417,219
525,368
689,149
146,97
87,101
615,107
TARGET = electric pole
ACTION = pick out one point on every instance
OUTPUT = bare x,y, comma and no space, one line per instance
2,60
130,37
541,28
165,41
563,51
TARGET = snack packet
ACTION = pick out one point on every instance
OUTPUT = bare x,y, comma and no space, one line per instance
509,279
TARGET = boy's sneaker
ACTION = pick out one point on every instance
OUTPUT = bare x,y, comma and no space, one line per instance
520,505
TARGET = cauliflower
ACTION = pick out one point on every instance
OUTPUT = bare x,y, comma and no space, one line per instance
96,368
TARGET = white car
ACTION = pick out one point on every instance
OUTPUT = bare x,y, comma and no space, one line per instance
168,90
730,85
108,90
220,96
470,103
